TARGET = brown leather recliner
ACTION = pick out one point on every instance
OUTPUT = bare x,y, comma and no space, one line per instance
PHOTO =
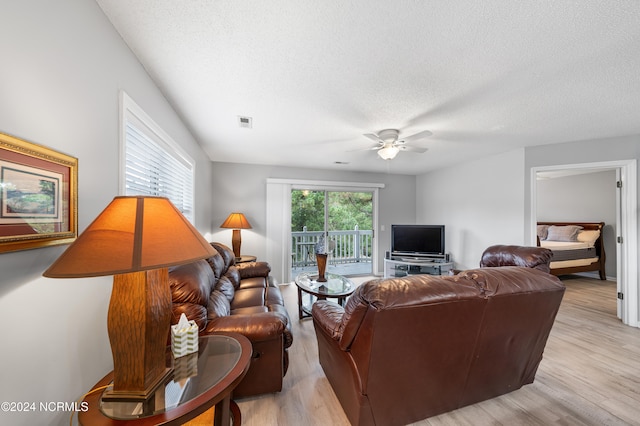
223,297
528,257
404,349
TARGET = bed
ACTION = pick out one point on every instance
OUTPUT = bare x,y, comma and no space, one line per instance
576,246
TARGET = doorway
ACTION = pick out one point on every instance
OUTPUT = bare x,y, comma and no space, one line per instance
625,232
338,222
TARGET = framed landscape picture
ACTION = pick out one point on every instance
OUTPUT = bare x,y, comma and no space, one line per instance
38,196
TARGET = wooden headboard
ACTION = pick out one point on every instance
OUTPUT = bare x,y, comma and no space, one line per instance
587,226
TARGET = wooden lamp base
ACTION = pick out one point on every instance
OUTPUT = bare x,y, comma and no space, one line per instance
138,322
236,240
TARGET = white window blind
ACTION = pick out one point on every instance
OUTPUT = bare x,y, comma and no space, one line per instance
152,163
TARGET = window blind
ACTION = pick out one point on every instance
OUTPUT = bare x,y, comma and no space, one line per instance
153,167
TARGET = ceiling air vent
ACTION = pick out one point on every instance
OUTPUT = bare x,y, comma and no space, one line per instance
246,122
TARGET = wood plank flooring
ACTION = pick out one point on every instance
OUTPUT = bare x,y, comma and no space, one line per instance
590,374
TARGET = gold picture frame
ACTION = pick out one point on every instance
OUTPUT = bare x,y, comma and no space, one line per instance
38,196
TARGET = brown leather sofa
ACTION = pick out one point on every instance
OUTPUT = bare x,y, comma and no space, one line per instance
404,349
221,296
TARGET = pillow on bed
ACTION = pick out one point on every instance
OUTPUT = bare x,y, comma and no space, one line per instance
563,233
589,237
542,231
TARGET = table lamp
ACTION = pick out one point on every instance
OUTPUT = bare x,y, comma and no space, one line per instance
236,221
135,239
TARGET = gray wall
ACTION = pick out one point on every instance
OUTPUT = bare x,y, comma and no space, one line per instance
242,187
480,202
63,67
589,197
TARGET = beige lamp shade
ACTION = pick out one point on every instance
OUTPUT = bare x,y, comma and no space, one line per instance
236,221
132,234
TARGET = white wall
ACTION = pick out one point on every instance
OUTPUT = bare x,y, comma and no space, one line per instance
63,67
242,187
589,197
481,203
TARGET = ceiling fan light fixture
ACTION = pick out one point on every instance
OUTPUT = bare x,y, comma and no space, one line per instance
388,152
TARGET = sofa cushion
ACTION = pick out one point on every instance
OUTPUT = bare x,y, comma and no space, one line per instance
197,313
217,264
226,253
218,305
248,297
233,275
249,310
254,269
191,283
225,286
274,297
255,282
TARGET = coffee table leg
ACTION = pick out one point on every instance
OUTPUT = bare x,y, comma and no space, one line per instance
222,415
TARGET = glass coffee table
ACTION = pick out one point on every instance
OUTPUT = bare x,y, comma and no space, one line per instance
336,286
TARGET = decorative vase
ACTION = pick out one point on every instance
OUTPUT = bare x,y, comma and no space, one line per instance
322,266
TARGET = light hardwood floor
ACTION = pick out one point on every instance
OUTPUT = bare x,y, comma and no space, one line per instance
590,374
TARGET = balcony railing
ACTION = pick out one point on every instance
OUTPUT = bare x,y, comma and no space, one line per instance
348,246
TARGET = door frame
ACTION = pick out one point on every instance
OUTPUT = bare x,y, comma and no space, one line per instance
627,229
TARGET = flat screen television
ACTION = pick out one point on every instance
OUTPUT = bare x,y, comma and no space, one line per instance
417,240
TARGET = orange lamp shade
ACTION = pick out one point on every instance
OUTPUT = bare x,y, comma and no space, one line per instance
236,221
136,239
132,234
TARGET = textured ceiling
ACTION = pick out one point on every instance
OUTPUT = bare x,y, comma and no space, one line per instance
484,76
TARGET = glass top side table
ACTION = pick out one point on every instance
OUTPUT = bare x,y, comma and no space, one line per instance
336,286
200,380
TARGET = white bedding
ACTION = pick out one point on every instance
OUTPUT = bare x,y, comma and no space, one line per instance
570,254
572,263
564,245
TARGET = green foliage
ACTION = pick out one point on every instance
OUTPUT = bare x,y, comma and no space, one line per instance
307,209
350,209
346,210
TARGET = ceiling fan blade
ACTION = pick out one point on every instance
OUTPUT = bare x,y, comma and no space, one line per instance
412,149
373,137
370,148
420,135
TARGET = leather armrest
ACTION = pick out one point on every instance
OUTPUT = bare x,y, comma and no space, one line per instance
328,315
510,255
255,327
253,269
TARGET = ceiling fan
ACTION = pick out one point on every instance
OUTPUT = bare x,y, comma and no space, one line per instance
388,145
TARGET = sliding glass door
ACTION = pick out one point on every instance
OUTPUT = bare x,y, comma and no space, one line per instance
342,220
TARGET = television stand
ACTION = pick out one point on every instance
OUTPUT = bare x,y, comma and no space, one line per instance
405,266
